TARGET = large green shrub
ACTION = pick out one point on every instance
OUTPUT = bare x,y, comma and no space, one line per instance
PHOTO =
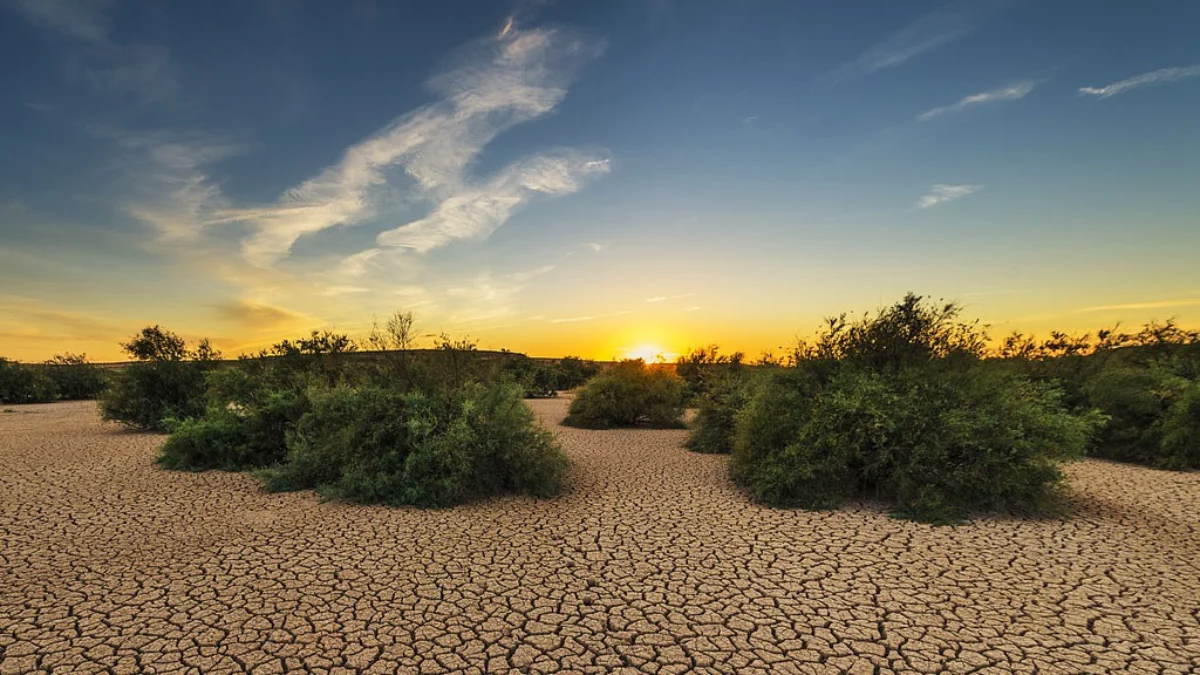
375,445
628,394
936,443
23,383
899,406
166,382
74,378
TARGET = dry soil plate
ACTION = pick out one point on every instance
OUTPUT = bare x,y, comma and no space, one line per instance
650,562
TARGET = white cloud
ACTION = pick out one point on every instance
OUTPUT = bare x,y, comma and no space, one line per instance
1012,92
175,195
1161,76
596,248
942,193
952,21
516,76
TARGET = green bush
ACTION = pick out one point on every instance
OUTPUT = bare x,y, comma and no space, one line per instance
628,394
704,368
573,372
165,383
374,445
1154,415
22,383
74,378
899,406
936,443
716,417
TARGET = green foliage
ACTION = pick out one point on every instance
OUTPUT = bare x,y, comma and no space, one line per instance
1154,414
716,418
162,384
22,383
899,406
574,371
74,378
702,368
145,395
937,443
628,394
536,380
375,445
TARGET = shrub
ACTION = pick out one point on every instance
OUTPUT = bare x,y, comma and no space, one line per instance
1154,415
899,406
573,372
166,381
712,431
375,445
22,383
535,379
703,368
628,394
74,378
937,443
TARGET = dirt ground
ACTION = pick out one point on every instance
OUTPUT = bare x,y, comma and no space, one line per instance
650,562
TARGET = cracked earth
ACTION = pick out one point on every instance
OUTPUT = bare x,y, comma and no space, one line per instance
650,562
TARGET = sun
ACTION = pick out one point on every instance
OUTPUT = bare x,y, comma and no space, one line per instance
650,353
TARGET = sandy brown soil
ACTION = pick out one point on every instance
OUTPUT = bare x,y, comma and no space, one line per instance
649,563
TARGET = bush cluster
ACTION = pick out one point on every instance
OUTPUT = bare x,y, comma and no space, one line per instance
629,394
392,429
898,406
372,444
165,384
1145,384
66,377
540,380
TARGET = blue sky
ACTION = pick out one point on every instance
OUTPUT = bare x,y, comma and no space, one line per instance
578,177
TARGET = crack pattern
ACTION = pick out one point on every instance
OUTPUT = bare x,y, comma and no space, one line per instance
650,562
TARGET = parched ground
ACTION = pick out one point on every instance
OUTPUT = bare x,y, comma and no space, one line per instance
649,563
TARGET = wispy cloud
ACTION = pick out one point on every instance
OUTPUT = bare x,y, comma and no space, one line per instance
81,20
596,248
1155,304
942,193
256,315
143,71
174,195
952,21
1012,92
588,317
664,298
1161,76
514,76
488,296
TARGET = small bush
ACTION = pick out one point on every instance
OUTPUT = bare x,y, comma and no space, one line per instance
628,394
166,382
74,378
374,445
22,383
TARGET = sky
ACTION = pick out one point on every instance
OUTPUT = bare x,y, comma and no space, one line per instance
604,179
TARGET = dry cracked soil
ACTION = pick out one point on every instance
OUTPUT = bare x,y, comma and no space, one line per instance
650,562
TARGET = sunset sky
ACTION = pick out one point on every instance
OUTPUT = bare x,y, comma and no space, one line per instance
592,178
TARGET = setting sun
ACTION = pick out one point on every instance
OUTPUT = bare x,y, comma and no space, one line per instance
650,353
